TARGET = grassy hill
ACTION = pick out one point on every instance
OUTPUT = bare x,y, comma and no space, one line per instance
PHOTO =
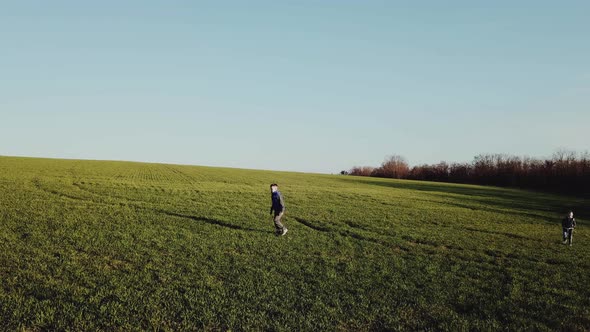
90,245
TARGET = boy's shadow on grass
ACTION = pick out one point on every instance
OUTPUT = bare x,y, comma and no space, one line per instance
212,221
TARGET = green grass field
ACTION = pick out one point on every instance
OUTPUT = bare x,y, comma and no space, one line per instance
89,245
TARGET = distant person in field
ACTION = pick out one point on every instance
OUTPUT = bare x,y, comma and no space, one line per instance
278,207
568,224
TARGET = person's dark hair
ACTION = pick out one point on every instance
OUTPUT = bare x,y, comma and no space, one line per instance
274,185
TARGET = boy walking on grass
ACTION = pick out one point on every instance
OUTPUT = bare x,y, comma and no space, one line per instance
568,224
278,207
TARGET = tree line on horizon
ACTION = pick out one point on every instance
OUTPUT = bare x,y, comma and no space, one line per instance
566,171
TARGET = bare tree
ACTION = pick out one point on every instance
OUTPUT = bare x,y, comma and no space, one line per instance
564,171
361,171
395,167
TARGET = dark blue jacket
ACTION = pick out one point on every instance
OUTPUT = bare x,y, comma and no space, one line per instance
568,222
278,203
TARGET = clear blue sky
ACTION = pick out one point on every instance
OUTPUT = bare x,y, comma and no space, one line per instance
293,85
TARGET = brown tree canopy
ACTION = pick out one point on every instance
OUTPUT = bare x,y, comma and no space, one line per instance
566,171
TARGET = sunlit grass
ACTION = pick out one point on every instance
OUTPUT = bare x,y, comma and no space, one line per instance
88,245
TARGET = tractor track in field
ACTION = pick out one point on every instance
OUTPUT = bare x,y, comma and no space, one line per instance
37,185
188,179
140,205
347,233
135,204
509,235
477,206
172,214
126,200
494,257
